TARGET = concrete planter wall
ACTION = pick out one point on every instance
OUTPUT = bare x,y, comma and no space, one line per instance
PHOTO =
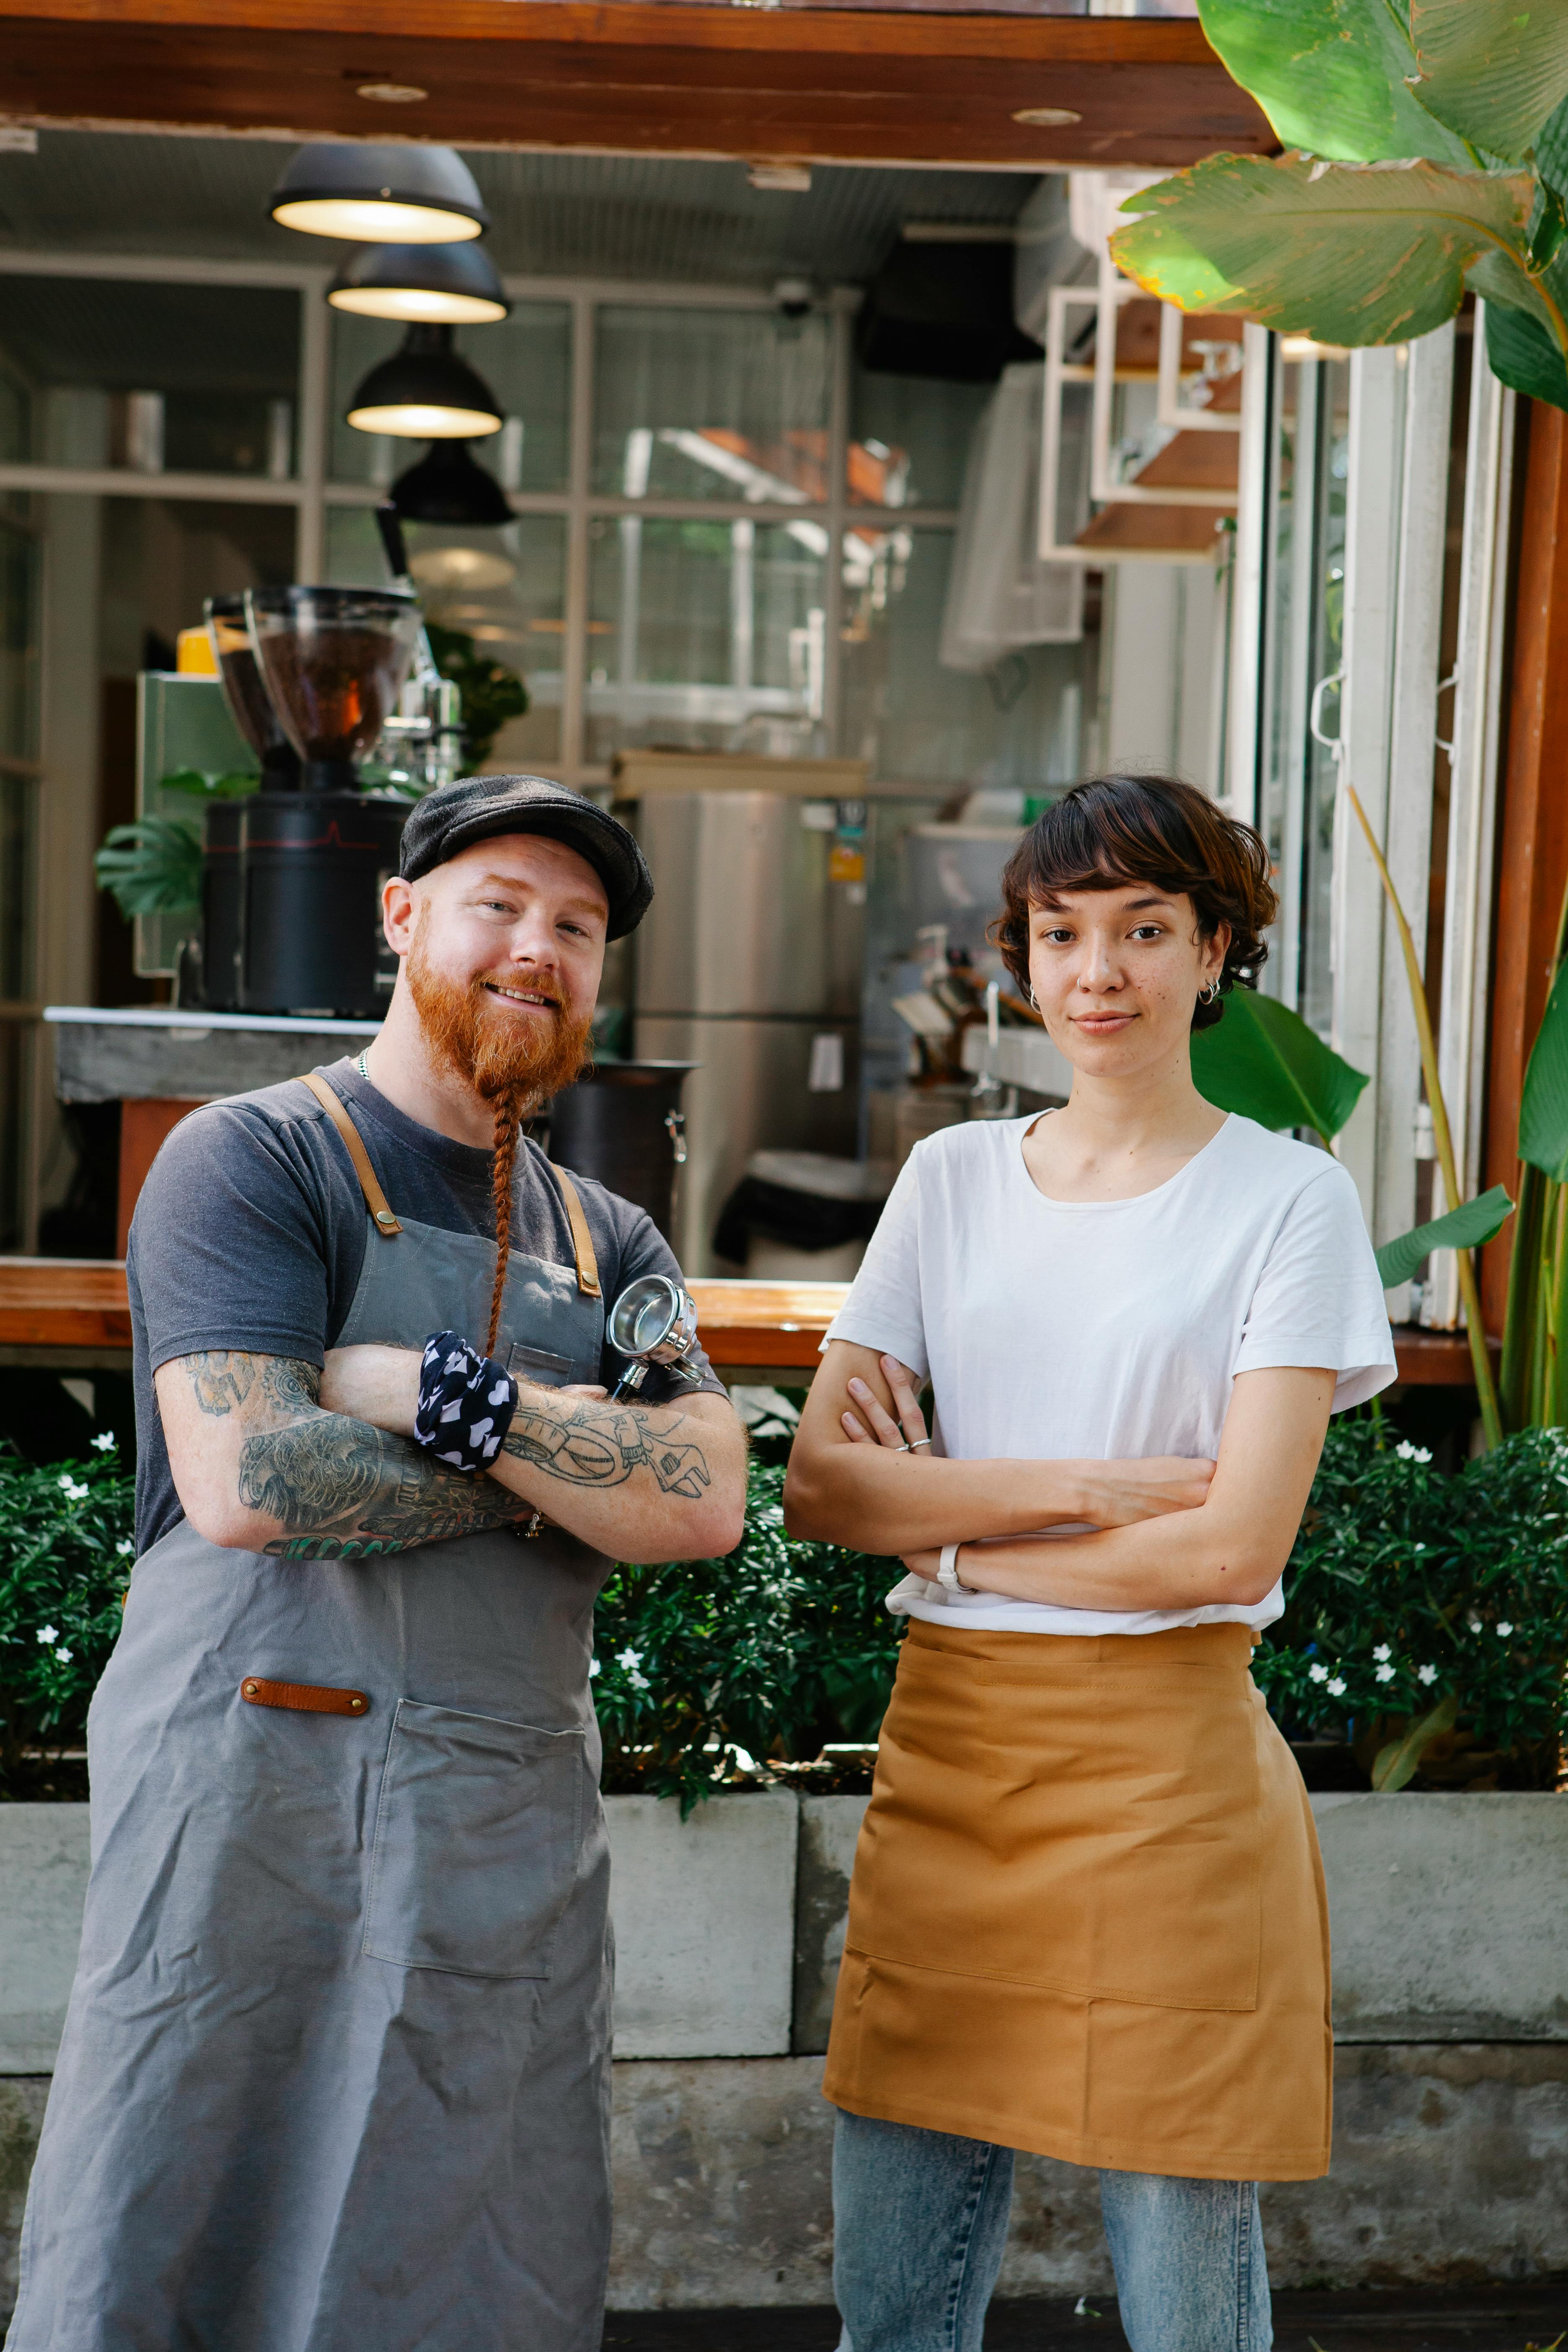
1450,1923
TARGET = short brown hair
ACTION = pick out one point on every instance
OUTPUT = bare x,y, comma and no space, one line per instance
1113,830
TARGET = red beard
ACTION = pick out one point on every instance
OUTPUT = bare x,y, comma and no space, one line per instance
519,1062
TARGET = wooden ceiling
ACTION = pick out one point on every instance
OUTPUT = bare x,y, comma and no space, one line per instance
637,77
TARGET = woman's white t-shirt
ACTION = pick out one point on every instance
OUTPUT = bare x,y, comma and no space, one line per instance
1111,1329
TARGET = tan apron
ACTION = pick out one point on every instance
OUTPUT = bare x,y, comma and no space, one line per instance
1087,1915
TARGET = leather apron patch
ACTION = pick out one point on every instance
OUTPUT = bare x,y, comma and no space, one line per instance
308,1698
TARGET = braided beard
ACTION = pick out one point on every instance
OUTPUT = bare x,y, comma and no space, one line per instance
512,1063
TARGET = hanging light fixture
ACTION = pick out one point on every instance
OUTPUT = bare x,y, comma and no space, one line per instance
426,392
447,486
455,285
412,194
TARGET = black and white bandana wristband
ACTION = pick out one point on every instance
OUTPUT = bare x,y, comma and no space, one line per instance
466,1403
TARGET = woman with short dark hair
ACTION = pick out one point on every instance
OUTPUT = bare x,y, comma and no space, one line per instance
1087,1915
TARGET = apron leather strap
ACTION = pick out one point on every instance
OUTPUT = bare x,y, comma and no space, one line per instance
375,1200
582,1239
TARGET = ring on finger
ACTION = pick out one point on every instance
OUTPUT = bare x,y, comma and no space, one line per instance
915,1443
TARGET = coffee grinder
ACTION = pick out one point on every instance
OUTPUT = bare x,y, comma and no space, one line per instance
257,721
331,662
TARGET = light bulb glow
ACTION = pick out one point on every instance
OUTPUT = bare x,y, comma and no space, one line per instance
414,421
376,221
416,302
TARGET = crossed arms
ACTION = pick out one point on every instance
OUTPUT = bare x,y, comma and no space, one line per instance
1170,1533
268,1454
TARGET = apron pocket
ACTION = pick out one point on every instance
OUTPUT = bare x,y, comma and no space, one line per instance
476,1837
541,1366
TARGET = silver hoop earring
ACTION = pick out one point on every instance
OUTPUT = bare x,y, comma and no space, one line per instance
1033,1006
1207,995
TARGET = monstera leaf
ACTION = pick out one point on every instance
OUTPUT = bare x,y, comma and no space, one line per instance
1332,75
1263,1061
1465,1227
1349,254
1491,70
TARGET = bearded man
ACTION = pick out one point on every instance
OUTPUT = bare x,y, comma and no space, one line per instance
335,2068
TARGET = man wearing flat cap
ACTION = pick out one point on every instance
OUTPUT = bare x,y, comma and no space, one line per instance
335,2068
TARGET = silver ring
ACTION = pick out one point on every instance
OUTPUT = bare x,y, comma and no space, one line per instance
915,1443
905,1448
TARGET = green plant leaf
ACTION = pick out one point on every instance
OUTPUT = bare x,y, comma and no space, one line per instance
1350,254
1401,1759
1264,1062
1492,70
1523,355
1543,1105
1465,1227
1331,76
235,785
153,866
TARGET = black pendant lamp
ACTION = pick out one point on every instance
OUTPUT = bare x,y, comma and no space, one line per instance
450,285
426,392
413,193
447,486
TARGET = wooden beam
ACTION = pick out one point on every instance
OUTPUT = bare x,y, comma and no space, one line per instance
637,77
1533,847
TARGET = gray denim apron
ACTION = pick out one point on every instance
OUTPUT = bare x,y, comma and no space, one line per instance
335,2069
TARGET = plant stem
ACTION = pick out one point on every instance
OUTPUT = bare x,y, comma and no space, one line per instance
1519,1321
1469,1295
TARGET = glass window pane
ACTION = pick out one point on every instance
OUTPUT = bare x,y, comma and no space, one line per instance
708,635
1016,727
908,439
1326,590
526,360
161,379
505,590
18,813
729,404
19,573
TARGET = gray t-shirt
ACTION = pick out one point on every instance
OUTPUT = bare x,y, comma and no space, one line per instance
251,1230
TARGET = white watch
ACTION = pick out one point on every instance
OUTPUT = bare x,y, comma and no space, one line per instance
947,1574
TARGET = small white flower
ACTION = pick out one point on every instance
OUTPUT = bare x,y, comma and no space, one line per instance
1475,1624
1383,1654
1337,1687
72,1491
630,1659
1503,1629
125,1547
1317,1674
48,1633
1426,1674
104,1441
1385,1674
593,1668
1408,1452
64,1656
639,1682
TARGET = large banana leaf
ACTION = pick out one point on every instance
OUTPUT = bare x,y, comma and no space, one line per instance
1492,70
1543,1105
1465,1227
1522,354
1331,76
1551,150
1350,254
1263,1061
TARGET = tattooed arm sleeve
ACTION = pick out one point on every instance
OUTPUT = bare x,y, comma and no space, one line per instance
644,1482
259,1466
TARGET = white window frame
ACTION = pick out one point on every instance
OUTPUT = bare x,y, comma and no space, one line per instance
312,493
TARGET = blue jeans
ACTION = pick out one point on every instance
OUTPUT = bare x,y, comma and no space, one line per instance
921,2221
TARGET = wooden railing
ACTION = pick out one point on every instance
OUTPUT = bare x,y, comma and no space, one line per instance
65,1304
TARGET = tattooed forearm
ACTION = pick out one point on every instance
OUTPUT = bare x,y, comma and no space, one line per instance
224,1378
589,1443
344,1490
